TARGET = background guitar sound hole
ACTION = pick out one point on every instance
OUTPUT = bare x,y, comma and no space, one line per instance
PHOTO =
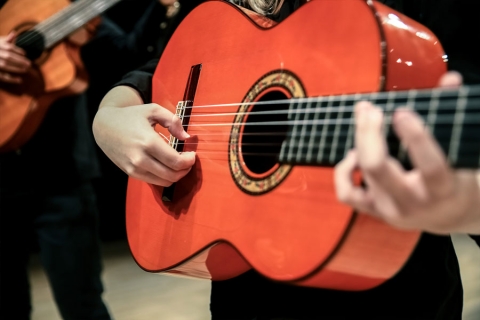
261,143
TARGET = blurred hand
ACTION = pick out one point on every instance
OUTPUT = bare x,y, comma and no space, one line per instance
431,197
12,60
126,134
167,3
173,7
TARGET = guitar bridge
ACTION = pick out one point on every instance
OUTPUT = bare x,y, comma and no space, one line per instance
183,111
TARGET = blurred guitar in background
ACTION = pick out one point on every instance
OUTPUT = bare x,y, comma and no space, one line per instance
51,32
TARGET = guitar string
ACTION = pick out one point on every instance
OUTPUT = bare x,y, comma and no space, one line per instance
441,119
474,90
270,134
419,106
464,158
470,141
471,145
442,137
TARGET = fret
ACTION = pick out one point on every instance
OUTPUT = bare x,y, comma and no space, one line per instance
373,97
311,141
294,132
333,150
351,125
411,95
402,150
303,132
432,110
457,124
323,136
389,107
286,145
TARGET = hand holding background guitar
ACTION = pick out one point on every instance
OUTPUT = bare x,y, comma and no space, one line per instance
12,60
432,197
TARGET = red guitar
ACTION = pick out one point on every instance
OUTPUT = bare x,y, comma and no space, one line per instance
261,193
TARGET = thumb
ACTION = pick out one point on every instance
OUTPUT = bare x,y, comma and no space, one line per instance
167,119
177,130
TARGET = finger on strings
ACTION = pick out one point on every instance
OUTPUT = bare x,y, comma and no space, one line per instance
162,152
373,158
160,170
369,140
176,128
168,120
451,79
346,190
425,153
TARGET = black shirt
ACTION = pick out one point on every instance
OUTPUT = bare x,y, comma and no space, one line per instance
429,285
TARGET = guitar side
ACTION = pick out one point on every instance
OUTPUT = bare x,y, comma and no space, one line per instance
57,73
296,231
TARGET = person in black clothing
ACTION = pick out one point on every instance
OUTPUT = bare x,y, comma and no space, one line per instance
46,194
428,287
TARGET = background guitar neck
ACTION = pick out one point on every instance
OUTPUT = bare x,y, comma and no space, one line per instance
71,18
49,32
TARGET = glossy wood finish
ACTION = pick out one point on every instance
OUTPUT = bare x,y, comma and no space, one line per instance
297,232
59,72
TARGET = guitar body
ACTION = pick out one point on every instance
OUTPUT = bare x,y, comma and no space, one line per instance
228,214
57,73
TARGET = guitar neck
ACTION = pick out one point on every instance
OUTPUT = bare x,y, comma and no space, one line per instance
321,130
66,21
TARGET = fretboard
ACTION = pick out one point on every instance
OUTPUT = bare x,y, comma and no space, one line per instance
321,130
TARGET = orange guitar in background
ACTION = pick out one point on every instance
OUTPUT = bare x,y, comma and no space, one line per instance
261,194
51,32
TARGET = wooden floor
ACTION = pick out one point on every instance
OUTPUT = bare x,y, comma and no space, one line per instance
133,294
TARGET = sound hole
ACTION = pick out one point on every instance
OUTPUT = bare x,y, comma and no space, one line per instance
32,42
261,144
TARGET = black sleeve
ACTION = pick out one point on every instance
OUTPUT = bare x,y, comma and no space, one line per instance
476,238
141,80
